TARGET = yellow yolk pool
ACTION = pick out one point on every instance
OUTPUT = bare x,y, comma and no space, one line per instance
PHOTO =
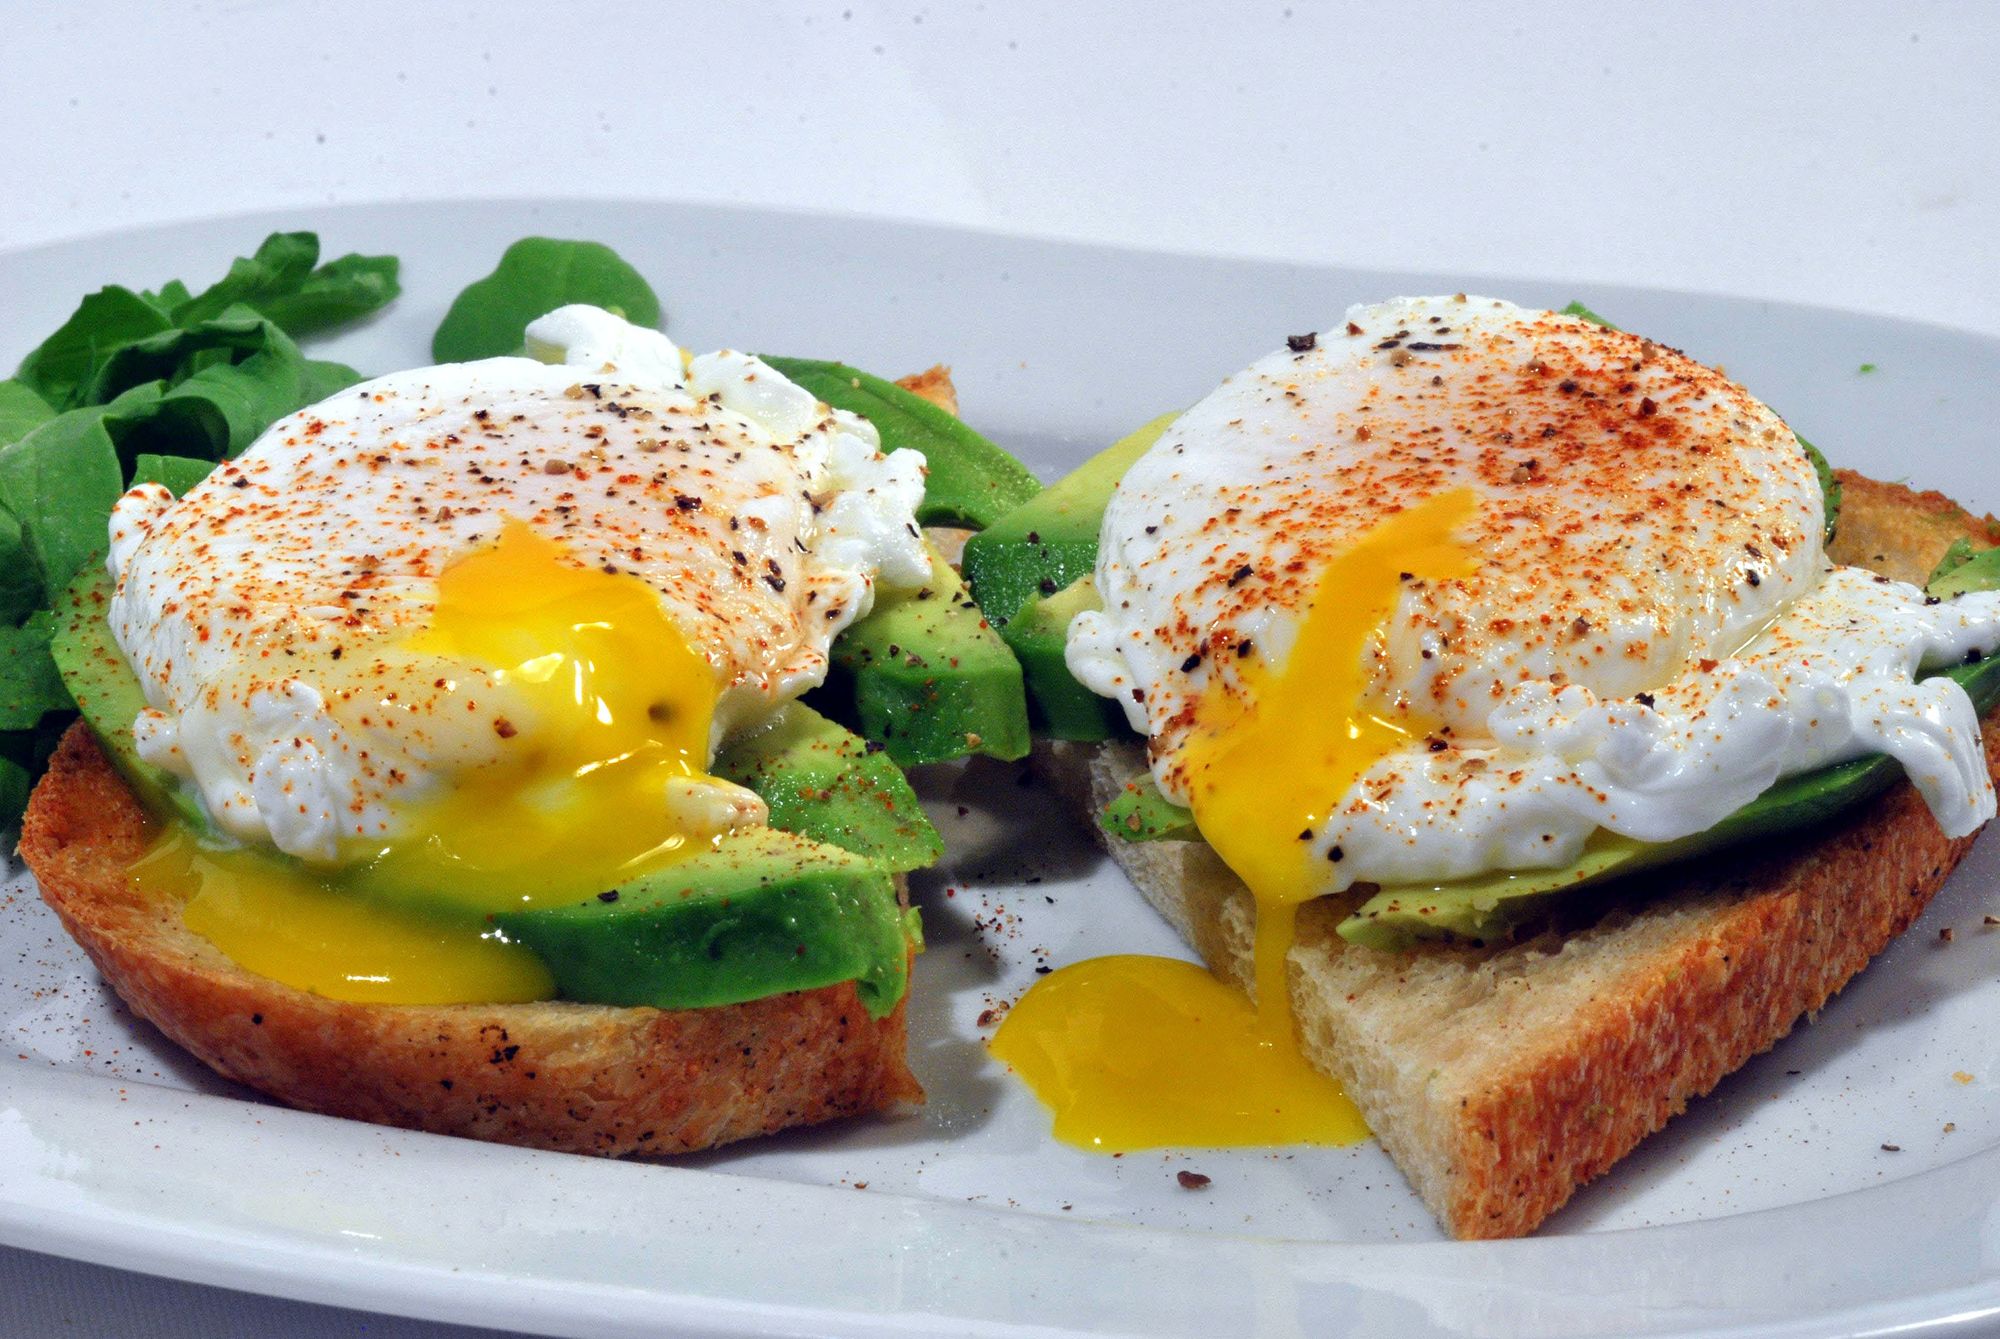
618,709
1141,1052
1134,1052
599,777
278,919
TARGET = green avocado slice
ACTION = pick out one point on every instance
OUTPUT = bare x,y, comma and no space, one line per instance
766,912
821,781
1142,814
925,676
1050,541
1490,906
107,692
1058,706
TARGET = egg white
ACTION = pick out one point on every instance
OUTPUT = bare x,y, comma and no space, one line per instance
263,611
1645,527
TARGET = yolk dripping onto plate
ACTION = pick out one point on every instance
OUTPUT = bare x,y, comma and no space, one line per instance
598,778
1139,1052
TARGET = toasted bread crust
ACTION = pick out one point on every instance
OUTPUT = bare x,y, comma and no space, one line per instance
934,383
1780,936
1503,1078
575,1077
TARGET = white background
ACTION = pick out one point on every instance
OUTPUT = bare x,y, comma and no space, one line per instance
1839,154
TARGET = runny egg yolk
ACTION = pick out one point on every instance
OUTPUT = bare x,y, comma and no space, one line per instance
279,919
598,777
1142,1052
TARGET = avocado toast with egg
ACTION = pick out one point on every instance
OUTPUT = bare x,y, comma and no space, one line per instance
1629,767
442,761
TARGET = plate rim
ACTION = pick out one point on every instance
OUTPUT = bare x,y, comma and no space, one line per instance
25,1221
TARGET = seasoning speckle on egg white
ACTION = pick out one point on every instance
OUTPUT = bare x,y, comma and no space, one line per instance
1651,634
268,613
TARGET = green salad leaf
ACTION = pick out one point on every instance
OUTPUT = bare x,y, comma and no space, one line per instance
30,687
103,323
58,483
20,588
20,410
535,276
134,387
177,473
281,283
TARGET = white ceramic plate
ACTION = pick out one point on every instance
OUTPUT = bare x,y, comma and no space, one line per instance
1773,1207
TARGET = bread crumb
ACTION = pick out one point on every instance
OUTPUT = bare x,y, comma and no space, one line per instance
1961,1076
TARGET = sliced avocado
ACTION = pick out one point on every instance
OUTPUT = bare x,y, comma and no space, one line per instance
1142,814
818,779
108,693
767,911
1490,906
1058,706
1043,545
925,676
823,782
764,913
969,481
1964,568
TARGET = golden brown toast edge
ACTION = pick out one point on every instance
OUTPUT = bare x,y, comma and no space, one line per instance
579,1078
1769,948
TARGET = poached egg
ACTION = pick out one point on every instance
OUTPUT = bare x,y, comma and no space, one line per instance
1450,589
477,630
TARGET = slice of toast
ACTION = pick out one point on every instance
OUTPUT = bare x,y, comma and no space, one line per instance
1503,1078
582,1078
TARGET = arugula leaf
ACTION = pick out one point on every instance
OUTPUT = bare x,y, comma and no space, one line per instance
106,321
163,383
171,294
15,783
279,267
21,409
29,684
59,483
323,377
337,292
23,755
535,276
20,589
279,281
174,355
226,379
178,473
970,481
